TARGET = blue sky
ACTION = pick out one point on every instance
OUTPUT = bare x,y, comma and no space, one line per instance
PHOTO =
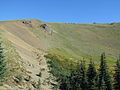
69,11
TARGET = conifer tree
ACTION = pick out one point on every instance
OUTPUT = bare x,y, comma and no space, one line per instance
81,74
65,83
104,80
3,68
74,80
117,75
91,76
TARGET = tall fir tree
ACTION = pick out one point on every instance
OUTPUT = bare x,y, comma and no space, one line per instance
81,74
78,78
117,75
64,83
74,85
91,76
104,80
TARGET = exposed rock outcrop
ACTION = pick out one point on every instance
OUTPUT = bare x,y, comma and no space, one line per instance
46,28
29,23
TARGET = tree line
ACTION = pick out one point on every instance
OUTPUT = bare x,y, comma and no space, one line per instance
90,78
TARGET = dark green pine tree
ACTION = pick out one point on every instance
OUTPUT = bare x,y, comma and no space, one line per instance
74,80
104,80
91,76
81,76
78,78
117,75
3,68
64,80
64,84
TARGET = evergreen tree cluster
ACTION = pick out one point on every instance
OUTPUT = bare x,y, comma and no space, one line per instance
91,78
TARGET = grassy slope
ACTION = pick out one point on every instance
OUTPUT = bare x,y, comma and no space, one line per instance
13,59
83,39
70,40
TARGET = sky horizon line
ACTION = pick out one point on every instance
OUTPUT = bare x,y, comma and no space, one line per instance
58,21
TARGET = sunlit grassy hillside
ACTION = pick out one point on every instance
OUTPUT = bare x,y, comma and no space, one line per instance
85,40
70,40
